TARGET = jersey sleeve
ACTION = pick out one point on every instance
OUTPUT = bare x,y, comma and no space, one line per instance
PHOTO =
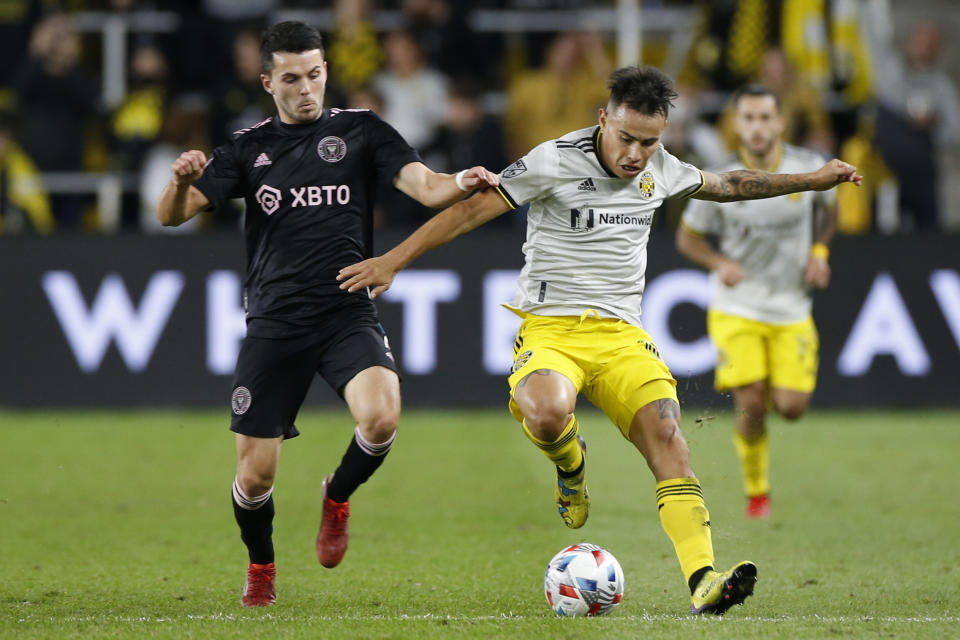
390,151
683,179
222,178
701,217
531,176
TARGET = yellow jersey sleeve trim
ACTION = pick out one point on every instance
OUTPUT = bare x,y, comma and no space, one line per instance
506,197
696,232
703,181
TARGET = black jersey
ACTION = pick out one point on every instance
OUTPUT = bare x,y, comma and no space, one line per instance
309,191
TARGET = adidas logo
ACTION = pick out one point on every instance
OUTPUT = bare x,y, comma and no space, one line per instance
586,185
262,160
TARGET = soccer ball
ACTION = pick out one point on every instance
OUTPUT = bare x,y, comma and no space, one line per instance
583,580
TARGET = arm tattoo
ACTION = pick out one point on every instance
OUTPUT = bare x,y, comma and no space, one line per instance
667,408
752,185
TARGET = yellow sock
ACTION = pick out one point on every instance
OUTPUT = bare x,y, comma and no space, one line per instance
754,462
564,451
687,522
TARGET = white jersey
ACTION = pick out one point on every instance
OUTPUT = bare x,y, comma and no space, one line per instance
770,238
587,229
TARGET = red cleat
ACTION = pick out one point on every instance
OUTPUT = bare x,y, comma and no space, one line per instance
334,530
758,507
258,590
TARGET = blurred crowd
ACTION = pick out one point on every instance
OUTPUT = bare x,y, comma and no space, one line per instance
852,86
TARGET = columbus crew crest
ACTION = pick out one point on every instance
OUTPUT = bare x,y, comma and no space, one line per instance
240,401
646,185
332,149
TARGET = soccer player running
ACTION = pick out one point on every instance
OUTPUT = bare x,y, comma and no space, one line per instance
770,253
592,195
307,176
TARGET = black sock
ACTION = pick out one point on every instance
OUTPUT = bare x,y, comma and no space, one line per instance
256,530
356,467
696,577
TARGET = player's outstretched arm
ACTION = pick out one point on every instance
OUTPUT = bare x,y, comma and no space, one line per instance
439,190
753,185
695,248
180,200
445,226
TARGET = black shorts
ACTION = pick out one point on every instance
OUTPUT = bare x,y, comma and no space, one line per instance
273,375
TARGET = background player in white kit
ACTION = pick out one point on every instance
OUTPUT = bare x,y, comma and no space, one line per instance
767,260
592,196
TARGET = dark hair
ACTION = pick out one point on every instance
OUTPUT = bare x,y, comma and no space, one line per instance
754,89
294,37
644,89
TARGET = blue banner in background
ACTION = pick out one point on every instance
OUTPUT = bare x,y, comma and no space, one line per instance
157,321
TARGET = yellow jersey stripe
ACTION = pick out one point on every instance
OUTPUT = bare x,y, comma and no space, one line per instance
506,197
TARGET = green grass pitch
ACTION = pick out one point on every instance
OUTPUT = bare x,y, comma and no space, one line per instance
118,525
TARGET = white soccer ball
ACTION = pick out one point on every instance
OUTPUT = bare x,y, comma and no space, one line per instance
583,580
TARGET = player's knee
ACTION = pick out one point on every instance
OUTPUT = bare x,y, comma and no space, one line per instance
666,433
752,400
254,483
545,420
792,410
380,427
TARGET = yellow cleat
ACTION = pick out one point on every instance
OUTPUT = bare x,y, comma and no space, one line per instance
573,501
717,592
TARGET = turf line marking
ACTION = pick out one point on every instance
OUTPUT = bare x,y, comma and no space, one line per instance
229,617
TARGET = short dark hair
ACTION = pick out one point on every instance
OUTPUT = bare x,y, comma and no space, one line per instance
757,90
644,89
291,36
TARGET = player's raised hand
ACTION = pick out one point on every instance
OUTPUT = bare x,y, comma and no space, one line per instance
373,272
730,272
817,273
478,178
188,168
836,172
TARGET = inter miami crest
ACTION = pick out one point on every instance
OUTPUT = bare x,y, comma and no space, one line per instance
240,401
332,149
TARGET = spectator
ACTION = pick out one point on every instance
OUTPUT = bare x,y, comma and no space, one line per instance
728,42
468,136
414,95
448,43
918,112
185,125
24,203
545,103
17,20
355,55
808,122
56,97
688,136
136,122
240,99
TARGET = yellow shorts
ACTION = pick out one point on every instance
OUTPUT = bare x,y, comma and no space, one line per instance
749,351
615,364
